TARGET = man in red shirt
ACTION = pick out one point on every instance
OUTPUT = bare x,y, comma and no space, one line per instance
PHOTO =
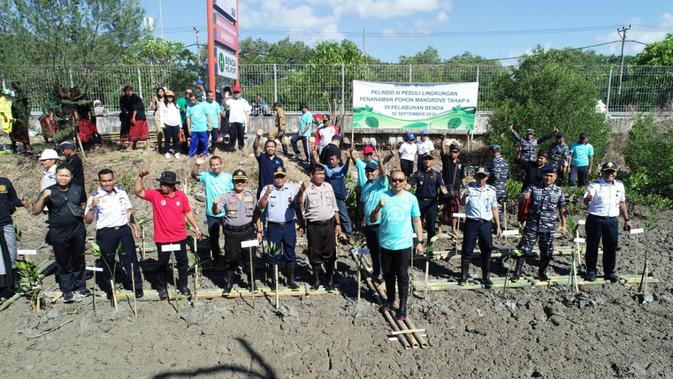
170,208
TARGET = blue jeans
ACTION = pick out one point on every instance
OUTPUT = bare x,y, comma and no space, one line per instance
304,141
346,226
198,138
578,175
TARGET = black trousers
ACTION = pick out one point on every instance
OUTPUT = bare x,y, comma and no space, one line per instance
607,229
69,254
429,214
372,237
407,167
396,271
108,239
171,138
214,224
181,261
236,133
233,236
477,231
321,242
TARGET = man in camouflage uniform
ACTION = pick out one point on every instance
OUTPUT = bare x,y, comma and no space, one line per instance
546,200
498,171
558,157
527,156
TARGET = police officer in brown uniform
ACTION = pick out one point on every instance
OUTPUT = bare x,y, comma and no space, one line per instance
241,222
318,204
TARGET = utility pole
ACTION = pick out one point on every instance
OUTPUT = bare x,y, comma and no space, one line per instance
198,49
622,34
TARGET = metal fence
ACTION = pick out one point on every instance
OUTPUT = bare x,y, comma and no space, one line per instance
641,89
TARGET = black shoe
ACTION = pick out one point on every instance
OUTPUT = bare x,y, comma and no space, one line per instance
186,293
590,277
543,276
139,293
229,277
163,293
68,297
386,307
83,292
612,278
488,283
514,279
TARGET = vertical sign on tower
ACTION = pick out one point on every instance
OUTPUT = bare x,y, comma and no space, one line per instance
222,39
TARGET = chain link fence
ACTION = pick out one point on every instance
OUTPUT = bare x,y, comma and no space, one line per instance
328,87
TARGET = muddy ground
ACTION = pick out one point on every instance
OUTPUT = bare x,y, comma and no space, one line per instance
530,332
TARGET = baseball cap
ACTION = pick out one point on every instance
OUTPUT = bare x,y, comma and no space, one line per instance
280,171
494,147
609,166
318,115
548,169
481,171
411,136
48,154
424,133
368,150
454,147
67,145
372,166
199,81
239,175
236,89
427,156
530,131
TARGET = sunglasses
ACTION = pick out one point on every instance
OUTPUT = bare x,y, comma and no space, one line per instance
397,180
454,151
240,181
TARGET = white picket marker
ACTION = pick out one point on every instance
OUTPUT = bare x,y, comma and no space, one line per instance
250,243
580,240
459,215
169,248
581,222
26,252
95,269
511,232
637,231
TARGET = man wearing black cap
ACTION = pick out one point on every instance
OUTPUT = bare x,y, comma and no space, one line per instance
74,163
170,209
546,201
481,211
606,200
278,203
527,147
428,184
498,172
332,148
558,157
241,222
534,171
581,161
372,189
453,174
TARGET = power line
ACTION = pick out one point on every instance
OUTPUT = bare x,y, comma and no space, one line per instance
570,48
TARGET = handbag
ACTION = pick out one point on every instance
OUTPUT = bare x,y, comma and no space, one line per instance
181,136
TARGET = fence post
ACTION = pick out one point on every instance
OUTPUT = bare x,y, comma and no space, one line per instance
607,101
477,72
410,73
72,83
275,83
343,88
140,83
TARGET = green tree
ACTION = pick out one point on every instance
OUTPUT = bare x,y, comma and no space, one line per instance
333,52
158,51
468,58
545,96
428,56
658,53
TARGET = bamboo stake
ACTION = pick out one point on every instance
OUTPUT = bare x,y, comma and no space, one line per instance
133,283
417,334
387,315
94,292
401,325
275,274
114,294
427,273
359,263
175,284
252,278
406,331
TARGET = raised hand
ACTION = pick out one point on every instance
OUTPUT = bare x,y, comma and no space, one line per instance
200,160
143,173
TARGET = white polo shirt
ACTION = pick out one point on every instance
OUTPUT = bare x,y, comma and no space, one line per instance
606,197
111,209
408,151
425,147
238,109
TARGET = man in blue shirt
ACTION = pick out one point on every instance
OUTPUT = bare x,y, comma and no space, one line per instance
372,189
216,182
335,174
481,210
279,208
268,163
581,161
199,125
360,164
303,132
214,111
396,210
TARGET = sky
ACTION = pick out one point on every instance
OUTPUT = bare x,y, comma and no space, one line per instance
393,28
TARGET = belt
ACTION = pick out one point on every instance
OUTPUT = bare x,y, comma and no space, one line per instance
113,227
481,221
320,223
602,217
281,223
240,228
427,198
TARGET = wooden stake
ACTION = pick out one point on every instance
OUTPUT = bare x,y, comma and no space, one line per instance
114,294
94,292
175,283
406,331
359,263
275,274
252,278
133,283
427,273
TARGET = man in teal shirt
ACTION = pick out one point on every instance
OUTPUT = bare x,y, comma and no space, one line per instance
376,184
581,161
214,111
303,132
397,209
199,125
216,183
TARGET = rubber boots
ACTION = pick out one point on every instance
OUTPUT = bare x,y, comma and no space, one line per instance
518,269
404,294
464,271
290,267
330,274
485,274
229,277
316,277
542,271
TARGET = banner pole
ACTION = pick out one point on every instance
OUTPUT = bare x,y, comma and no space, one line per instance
211,45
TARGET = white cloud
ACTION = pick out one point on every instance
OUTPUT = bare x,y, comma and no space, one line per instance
386,8
442,16
636,34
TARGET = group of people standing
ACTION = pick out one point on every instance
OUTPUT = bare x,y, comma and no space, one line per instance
15,117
